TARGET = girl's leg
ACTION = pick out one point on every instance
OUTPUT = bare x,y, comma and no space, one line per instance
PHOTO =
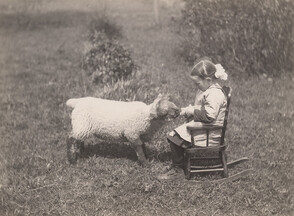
177,146
177,155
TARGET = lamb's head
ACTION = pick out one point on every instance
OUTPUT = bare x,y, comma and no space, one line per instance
164,109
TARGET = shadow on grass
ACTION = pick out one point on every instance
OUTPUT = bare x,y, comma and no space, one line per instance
54,19
109,150
122,150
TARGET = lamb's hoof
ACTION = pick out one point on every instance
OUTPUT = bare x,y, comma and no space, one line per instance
145,163
72,150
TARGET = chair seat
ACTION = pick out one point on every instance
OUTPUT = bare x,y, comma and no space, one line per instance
204,160
204,157
205,150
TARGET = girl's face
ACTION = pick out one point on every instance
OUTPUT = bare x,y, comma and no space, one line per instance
201,83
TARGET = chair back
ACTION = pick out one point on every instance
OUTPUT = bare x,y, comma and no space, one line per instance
228,92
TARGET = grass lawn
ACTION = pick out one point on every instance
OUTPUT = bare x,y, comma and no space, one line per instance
40,59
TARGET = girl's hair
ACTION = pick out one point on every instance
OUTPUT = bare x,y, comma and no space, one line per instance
205,68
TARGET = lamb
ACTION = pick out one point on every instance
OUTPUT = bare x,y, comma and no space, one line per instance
132,122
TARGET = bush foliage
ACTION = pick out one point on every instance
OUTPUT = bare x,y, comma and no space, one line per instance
139,88
107,60
255,34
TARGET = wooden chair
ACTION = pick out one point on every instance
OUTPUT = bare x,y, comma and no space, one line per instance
211,158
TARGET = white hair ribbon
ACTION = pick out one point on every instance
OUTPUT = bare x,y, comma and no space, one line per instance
220,72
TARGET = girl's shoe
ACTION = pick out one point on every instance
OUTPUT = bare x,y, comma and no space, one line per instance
173,173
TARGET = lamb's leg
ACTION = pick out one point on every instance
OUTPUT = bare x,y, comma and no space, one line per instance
74,149
139,148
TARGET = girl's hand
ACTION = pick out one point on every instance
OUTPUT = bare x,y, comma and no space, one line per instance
187,111
183,111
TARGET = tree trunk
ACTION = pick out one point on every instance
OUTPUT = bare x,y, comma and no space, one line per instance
156,13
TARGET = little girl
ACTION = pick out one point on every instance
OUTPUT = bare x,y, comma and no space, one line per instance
209,108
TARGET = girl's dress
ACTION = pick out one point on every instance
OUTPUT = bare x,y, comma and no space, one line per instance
213,102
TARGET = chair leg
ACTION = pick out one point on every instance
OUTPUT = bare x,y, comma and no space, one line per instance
224,163
188,167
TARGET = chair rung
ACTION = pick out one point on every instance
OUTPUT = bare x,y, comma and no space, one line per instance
207,170
201,158
194,150
207,167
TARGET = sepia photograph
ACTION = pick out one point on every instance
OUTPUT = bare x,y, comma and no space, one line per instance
146,107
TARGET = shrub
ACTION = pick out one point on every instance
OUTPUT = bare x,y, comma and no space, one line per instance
255,34
141,87
107,61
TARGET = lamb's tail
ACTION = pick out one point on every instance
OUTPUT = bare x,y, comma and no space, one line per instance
72,102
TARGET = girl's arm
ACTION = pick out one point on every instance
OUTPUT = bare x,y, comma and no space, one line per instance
189,110
210,107
201,116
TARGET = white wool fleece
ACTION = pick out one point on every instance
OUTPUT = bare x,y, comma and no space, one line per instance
109,119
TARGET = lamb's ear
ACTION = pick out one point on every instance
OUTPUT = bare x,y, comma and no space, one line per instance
159,97
154,105
167,96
